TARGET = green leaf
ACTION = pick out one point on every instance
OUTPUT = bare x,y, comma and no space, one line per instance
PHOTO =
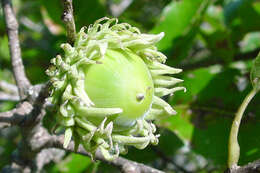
179,124
177,18
54,9
144,156
250,42
215,87
195,81
249,142
75,163
255,73
212,140
235,8
87,12
7,146
241,16
4,51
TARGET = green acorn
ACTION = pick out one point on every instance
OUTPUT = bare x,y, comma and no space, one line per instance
107,88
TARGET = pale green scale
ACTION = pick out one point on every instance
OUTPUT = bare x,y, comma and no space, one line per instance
101,111
121,80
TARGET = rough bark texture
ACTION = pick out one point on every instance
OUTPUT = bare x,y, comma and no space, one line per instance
253,167
14,47
68,19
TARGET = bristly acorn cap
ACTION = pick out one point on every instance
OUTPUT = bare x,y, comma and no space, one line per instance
93,126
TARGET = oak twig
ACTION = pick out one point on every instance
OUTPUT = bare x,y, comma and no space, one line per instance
253,167
68,19
9,88
15,51
8,97
26,113
15,116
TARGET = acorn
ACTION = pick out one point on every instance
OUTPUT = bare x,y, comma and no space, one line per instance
107,87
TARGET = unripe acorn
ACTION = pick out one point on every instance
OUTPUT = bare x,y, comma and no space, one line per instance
121,80
108,85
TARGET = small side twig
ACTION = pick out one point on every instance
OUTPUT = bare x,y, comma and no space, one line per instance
117,9
16,115
38,110
68,19
15,50
7,87
8,97
47,155
26,113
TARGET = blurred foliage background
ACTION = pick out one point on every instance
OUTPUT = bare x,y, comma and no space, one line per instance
213,41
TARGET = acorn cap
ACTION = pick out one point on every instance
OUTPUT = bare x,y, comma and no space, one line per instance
108,84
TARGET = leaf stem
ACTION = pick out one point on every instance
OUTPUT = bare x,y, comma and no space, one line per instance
233,146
